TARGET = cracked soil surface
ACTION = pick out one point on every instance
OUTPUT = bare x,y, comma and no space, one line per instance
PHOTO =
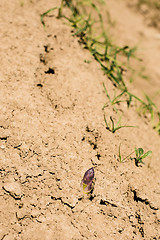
52,130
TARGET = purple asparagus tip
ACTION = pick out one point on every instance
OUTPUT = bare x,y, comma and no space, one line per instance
87,180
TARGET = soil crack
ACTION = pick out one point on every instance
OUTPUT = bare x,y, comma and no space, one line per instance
63,202
105,202
145,201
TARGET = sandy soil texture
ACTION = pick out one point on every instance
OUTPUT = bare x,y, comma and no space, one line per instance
52,130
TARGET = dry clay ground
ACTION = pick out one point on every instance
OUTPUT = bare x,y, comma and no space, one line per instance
52,130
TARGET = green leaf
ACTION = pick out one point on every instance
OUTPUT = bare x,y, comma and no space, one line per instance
120,157
45,13
140,151
146,154
150,101
136,152
107,93
113,129
106,121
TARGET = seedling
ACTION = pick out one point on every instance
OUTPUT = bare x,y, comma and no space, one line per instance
86,18
87,181
148,107
112,127
116,99
140,155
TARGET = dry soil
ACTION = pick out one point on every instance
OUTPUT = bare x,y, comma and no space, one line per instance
52,130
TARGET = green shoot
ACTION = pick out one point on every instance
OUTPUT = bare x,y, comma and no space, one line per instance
60,10
147,107
112,127
120,157
86,18
140,155
115,99
45,13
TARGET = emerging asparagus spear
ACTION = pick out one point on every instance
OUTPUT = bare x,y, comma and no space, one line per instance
87,181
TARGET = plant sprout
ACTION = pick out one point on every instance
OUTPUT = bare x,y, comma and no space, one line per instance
140,155
113,128
87,181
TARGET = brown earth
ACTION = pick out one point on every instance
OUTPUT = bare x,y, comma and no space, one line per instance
52,130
